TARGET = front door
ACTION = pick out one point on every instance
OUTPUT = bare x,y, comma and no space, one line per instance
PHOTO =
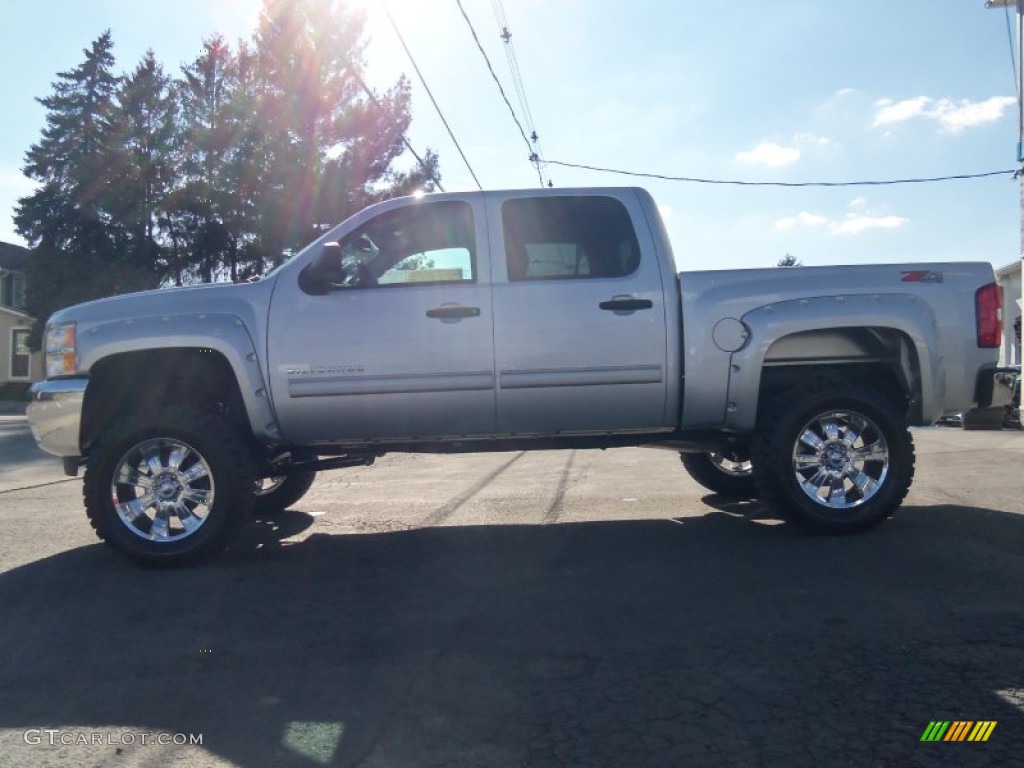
401,347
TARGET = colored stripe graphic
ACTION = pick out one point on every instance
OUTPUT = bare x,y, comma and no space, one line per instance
935,730
958,730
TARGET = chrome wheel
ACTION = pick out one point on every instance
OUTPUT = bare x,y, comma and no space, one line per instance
267,485
840,459
162,490
727,474
731,465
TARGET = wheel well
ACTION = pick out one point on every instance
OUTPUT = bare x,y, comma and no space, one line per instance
884,358
121,383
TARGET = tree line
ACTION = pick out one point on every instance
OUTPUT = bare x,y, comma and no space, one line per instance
250,152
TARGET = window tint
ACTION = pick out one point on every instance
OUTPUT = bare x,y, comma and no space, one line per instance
568,237
429,242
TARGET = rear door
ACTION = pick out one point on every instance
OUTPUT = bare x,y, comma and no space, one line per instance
579,314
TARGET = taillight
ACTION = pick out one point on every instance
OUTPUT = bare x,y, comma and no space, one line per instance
988,308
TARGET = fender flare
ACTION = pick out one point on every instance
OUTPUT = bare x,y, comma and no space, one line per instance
767,324
225,334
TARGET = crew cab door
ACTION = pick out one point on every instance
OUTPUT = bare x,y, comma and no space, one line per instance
579,314
401,344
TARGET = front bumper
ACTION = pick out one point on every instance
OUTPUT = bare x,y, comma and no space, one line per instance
995,386
55,415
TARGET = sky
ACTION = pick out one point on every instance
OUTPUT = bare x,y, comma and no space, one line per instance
781,91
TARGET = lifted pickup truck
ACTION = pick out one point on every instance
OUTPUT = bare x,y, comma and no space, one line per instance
499,321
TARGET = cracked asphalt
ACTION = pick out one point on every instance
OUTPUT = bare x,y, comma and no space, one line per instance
572,608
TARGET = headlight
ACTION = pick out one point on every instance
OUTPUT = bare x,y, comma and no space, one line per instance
60,350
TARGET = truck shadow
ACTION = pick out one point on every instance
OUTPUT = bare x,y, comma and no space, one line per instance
701,641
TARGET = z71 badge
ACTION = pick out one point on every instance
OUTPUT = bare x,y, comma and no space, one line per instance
921,276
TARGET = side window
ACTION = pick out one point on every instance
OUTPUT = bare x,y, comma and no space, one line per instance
551,238
429,242
20,354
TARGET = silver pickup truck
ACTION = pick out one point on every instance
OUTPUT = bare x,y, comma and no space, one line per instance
512,320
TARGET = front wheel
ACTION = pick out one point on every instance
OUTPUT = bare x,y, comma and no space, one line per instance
274,494
835,457
170,487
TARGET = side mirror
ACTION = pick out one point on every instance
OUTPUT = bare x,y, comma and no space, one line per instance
316,277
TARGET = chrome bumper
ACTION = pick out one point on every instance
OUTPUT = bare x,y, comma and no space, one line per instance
55,415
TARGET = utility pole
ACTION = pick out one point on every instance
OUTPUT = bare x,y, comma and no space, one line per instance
1018,5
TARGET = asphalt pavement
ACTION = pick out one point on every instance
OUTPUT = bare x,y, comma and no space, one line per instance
569,608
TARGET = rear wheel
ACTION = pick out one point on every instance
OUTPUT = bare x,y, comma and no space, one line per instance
728,474
169,488
834,457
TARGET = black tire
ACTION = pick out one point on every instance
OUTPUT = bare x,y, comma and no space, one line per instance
847,441
281,493
725,474
190,476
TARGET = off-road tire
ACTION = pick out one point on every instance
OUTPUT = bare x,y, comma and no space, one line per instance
203,441
881,457
703,468
292,488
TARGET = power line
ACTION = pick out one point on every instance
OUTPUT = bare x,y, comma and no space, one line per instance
513,64
533,156
871,183
517,80
426,87
373,97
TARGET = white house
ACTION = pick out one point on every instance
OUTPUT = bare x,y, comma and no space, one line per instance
1009,277
18,365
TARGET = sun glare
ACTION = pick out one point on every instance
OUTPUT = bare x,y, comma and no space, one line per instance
409,15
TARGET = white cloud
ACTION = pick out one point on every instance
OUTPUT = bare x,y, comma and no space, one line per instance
769,155
897,112
812,138
803,218
854,224
953,116
665,211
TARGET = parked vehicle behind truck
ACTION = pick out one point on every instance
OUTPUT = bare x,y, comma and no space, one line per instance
509,320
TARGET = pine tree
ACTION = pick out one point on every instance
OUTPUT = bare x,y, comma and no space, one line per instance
205,198
67,220
245,157
141,150
330,149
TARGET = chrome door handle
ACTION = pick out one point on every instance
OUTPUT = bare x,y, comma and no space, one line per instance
626,305
453,313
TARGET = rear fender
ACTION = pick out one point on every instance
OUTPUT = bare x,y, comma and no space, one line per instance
771,323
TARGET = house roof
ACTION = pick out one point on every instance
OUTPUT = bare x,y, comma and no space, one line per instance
13,257
1013,268
16,312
